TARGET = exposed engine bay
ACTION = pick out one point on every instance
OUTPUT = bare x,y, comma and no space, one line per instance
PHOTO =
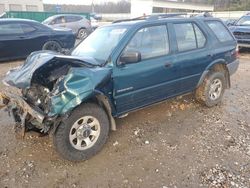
44,86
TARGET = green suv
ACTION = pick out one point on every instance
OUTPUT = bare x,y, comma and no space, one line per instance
119,68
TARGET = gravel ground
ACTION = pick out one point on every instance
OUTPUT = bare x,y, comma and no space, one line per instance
175,144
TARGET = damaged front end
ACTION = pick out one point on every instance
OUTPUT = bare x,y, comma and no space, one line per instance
51,86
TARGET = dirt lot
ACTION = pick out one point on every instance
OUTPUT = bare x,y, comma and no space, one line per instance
178,143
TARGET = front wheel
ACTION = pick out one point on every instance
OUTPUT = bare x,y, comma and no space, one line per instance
83,134
211,91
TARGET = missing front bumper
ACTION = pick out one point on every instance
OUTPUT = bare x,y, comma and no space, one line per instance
14,102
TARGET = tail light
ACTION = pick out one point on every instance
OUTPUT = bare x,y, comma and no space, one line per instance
236,53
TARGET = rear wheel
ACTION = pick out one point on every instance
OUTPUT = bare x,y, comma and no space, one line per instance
82,34
211,91
83,134
53,46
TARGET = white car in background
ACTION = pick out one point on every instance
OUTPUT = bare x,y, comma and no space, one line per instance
80,25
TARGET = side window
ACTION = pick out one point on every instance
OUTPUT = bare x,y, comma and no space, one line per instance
11,28
27,28
189,36
150,42
201,39
78,18
185,36
71,19
59,20
220,31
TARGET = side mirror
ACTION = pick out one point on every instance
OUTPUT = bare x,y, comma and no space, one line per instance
130,57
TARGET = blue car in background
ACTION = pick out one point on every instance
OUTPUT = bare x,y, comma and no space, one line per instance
241,31
20,37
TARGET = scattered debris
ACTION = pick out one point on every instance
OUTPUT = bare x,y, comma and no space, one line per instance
115,143
146,142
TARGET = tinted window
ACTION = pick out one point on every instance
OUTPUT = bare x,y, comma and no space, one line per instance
185,36
73,18
150,42
220,31
201,39
27,28
11,28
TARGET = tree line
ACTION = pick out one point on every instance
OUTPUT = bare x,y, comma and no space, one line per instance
243,5
123,6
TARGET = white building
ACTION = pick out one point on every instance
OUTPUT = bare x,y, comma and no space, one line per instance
21,5
145,7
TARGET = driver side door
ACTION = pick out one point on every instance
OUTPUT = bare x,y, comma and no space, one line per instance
154,78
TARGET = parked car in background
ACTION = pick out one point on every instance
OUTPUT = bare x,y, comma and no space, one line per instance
229,22
20,37
80,25
120,68
241,31
94,23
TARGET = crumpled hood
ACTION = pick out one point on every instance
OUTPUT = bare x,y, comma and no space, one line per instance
21,77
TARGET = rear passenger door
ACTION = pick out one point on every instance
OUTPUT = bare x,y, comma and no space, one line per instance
150,80
72,23
192,53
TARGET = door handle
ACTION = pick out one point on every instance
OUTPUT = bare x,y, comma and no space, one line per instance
167,65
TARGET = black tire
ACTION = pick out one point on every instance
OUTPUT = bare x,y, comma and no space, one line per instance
82,34
53,46
61,138
202,93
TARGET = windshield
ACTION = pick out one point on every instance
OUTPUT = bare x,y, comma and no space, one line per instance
100,43
244,21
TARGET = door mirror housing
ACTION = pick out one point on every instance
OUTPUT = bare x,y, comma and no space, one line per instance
130,57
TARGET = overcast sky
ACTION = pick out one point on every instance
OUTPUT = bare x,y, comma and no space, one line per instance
76,2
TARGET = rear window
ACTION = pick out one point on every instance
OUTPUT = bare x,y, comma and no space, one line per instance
220,31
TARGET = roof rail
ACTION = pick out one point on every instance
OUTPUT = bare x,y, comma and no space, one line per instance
168,15
152,17
128,20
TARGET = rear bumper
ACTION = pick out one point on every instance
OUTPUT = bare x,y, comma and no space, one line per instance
19,108
232,67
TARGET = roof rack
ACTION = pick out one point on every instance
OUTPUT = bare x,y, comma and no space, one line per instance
128,20
152,17
161,16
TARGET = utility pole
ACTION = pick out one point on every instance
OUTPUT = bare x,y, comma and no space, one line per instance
92,7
